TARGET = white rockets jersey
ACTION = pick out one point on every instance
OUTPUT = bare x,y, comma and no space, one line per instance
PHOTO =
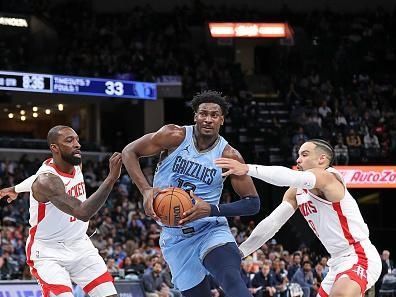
48,222
338,225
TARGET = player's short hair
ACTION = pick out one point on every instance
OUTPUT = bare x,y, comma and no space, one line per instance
210,97
326,147
53,134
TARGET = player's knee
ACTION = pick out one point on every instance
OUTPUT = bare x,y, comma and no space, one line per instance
230,279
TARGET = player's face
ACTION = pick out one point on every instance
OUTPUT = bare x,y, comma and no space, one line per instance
69,147
209,119
307,157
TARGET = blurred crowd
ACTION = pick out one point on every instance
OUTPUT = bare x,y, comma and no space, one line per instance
336,79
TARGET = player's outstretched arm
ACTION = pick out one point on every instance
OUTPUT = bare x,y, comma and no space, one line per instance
166,138
12,192
50,188
267,228
331,186
275,175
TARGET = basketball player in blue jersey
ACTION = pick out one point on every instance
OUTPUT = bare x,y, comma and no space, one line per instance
203,243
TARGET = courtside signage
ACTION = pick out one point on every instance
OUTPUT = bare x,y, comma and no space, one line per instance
368,176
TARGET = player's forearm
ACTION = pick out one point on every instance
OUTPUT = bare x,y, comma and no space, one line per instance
267,228
95,202
283,176
132,165
246,206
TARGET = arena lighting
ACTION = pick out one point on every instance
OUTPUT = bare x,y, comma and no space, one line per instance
23,118
48,111
35,114
13,22
22,112
35,108
373,177
60,107
249,30
10,115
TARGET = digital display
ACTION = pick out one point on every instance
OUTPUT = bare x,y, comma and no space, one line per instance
75,85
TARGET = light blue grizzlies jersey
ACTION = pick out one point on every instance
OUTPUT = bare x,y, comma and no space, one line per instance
189,169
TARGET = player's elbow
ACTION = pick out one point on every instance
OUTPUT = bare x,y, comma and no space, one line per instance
81,215
252,205
128,152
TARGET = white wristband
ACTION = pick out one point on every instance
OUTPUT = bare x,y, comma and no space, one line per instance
267,228
26,185
282,176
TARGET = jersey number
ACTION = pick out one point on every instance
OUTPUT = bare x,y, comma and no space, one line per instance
312,225
185,185
72,219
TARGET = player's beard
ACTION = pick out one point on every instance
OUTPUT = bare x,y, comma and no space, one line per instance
71,159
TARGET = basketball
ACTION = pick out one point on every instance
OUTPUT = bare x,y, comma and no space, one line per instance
170,204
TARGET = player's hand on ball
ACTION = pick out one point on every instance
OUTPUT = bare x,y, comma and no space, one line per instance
115,163
200,210
148,198
9,193
233,166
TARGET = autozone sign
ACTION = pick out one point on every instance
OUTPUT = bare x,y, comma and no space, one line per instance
368,176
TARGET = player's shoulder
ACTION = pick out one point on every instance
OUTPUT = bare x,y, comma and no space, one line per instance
318,171
172,130
169,136
232,153
47,180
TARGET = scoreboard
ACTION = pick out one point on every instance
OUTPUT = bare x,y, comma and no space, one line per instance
76,85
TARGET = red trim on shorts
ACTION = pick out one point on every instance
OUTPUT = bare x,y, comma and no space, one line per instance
104,278
65,174
358,272
322,293
45,287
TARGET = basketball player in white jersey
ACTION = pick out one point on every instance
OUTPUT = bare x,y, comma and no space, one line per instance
320,193
58,249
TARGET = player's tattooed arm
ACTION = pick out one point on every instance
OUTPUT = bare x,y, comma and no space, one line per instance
50,188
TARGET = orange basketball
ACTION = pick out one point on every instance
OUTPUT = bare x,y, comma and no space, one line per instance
170,204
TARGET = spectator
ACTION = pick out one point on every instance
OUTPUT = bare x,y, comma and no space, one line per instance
299,136
341,153
295,265
304,277
323,262
112,268
354,144
387,266
154,283
263,283
324,111
281,278
371,145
